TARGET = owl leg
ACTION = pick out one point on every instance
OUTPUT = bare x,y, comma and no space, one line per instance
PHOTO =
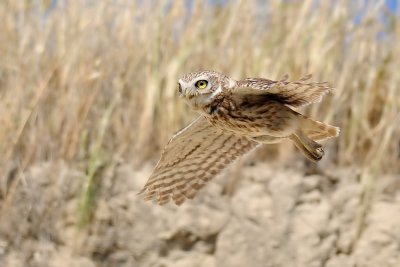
311,149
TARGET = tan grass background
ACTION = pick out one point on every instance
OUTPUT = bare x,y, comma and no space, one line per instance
99,78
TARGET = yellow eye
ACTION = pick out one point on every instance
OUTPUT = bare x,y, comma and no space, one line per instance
201,84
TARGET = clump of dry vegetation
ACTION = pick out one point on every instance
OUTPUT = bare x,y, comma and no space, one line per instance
89,82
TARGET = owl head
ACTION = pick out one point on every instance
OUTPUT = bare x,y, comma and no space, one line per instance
202,87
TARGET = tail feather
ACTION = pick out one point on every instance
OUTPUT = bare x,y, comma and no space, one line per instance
317,130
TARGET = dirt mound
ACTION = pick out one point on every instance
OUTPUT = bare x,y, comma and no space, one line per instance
270,216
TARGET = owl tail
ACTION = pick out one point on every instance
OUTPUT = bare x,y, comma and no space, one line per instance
311,131
317,130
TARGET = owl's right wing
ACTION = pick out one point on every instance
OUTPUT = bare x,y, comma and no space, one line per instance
192,157
294,93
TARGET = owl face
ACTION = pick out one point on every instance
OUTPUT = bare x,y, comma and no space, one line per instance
201,88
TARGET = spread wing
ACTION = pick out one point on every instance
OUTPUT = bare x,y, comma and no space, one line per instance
293,93
192,157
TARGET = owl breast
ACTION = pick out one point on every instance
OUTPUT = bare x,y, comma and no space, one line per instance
269,118
235,121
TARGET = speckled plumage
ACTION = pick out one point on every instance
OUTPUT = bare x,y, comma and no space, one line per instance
235,117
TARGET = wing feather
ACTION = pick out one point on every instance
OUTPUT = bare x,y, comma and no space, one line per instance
193,156
294,93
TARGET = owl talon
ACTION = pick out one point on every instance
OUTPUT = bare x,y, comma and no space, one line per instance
311,149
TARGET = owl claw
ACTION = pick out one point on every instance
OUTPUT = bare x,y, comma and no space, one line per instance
311,149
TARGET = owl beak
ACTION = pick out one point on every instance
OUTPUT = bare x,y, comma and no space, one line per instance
184,90
179,88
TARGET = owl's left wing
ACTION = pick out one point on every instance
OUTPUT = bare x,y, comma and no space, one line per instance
192,157
294,93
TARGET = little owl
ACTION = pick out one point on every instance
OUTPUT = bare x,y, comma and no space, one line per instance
235,117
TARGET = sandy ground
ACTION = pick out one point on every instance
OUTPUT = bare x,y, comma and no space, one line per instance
263,215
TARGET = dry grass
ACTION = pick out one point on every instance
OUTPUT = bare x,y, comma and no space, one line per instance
95,81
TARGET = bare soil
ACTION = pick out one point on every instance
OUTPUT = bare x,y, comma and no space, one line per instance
251,215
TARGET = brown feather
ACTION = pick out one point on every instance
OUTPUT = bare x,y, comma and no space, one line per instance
192,157
317,130
294,93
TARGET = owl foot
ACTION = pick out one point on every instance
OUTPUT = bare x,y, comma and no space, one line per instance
311,149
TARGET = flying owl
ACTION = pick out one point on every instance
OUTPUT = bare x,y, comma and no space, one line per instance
235,117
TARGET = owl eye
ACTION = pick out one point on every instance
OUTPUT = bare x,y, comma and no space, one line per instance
201,84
